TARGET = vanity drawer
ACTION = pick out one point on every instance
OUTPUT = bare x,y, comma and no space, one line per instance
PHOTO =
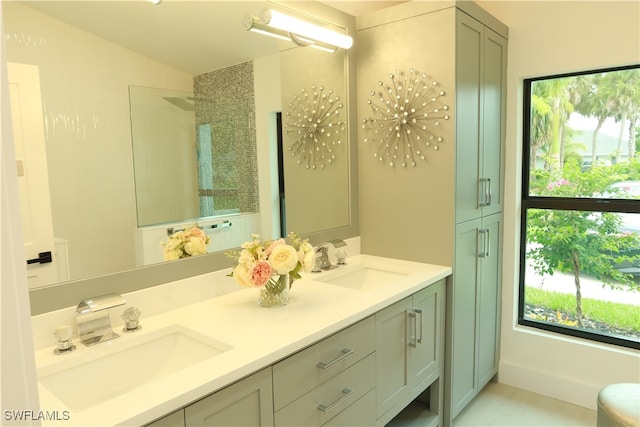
329,399
310,367
361,413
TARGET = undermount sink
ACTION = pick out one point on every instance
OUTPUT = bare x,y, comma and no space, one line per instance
363,276
96,376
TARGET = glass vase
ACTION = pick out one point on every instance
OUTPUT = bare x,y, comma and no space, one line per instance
275,293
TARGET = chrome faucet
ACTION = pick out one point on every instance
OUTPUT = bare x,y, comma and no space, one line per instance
322,261
92,317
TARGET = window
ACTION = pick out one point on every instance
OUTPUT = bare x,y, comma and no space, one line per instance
580,243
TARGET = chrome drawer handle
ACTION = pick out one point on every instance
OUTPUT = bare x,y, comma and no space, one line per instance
486,243
345,394
419,311
412,341
345,353
486,192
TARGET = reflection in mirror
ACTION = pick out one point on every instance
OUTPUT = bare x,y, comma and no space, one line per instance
84,83
163,133
316,198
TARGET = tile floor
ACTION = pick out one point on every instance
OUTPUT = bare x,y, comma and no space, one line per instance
502,405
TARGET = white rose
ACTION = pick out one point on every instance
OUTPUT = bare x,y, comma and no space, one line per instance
170,255
196,246
284,258
245,257
307,256
242,276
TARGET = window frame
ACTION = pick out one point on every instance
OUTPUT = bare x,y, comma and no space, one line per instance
560,203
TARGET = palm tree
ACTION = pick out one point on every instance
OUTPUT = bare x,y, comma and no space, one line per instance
622,89
589,102
557,91
540,126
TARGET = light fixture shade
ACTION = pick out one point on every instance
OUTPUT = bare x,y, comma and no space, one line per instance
304,29
251,24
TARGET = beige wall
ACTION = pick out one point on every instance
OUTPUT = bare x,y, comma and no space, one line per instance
398,204
547,38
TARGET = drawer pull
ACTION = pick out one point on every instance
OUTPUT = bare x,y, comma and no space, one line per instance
419,311
345,394
412,341
345,353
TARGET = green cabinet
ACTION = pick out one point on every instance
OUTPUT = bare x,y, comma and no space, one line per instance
365,374
473,300
249,402
174,419
473,311
480,101
408,350
320,382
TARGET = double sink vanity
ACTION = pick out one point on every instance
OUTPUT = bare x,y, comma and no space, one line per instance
355,345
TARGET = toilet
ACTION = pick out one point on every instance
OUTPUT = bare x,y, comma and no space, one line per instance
619,405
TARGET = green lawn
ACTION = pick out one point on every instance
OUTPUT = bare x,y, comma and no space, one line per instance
624,316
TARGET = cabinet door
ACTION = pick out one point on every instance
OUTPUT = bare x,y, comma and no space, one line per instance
488,295
468,115
408,349
174,419
392,382
493,119
424,357
461,310
481,58
248,402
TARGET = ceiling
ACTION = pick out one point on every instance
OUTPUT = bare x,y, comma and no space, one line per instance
193,36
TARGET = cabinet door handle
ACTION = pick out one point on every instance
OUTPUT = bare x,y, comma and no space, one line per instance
346,352
486,239
486,191
345,394
413,339
419,311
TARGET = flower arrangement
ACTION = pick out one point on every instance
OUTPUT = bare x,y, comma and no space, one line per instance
189,242
272,265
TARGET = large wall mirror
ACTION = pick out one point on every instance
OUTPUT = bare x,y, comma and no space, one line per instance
86,68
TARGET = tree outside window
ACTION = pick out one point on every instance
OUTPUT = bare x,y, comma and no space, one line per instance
580,251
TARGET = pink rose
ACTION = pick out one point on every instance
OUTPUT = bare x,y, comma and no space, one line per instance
196,232
261,273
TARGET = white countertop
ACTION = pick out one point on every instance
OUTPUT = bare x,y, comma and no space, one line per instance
258,336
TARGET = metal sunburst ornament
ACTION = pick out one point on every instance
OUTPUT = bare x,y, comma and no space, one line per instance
316,126
406,113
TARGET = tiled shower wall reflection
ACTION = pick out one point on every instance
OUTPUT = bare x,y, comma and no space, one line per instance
226,140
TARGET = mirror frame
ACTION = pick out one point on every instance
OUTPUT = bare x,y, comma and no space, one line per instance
68,294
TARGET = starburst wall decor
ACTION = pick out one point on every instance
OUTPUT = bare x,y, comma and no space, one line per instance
316,126
406,114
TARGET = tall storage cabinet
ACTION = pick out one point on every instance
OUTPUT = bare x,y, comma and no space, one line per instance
473,306
448,209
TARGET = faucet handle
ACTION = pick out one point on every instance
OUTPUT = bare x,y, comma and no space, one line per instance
63,338
131,317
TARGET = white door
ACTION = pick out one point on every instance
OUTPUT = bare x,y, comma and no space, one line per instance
33,178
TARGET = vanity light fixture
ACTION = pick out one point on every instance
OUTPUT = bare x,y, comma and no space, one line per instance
285,27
